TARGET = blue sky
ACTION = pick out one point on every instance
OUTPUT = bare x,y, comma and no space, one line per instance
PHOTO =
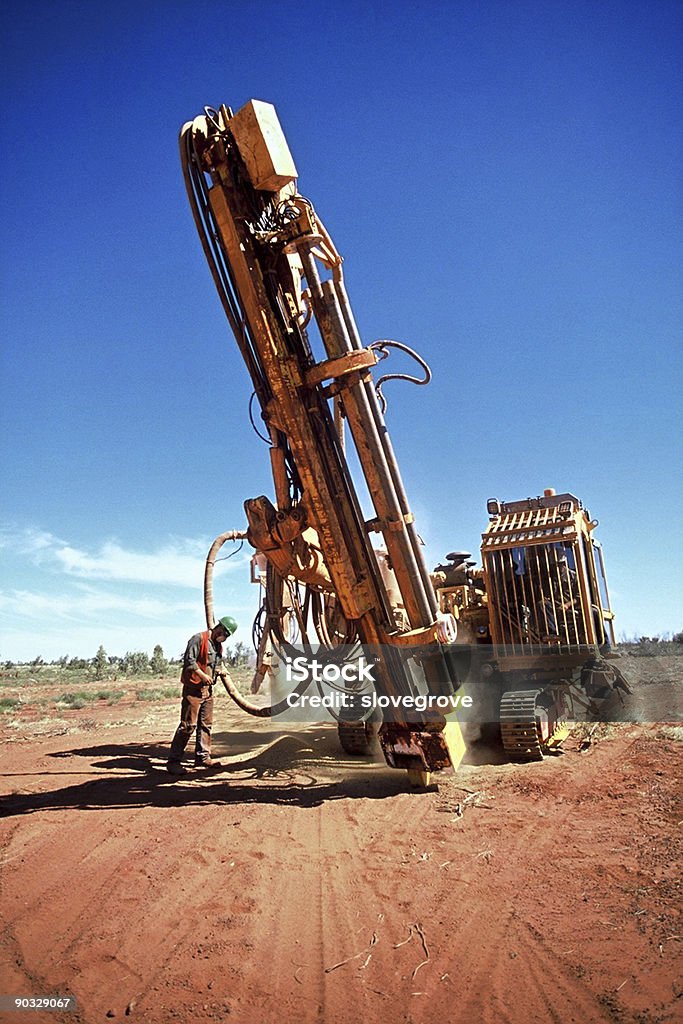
503,180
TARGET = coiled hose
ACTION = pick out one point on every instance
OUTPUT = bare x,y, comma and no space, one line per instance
257,710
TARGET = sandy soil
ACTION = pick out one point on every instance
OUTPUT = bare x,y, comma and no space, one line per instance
297,884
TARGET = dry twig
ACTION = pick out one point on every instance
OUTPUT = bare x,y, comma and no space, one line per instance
425,948
373,942
415,929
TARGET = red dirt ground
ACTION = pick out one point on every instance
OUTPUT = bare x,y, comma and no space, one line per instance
299,885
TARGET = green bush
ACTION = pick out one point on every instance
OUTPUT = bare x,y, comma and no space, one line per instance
111,696
9,703
80,698
159,664
158,693
74,700
136,663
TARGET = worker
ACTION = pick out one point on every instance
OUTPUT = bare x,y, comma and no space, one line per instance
562,608
201,666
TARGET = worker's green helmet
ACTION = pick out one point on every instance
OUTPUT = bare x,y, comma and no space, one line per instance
229,624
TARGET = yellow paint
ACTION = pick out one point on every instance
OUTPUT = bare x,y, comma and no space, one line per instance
559,736
453,739
418,779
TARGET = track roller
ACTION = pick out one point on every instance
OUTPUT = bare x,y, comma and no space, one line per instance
357,737
523,725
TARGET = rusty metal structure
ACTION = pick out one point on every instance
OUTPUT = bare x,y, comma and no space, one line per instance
536,614
545,576
280,280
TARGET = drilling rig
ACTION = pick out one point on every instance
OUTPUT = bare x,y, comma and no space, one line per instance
350,580
279,277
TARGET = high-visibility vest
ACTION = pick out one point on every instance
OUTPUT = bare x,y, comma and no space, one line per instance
189,675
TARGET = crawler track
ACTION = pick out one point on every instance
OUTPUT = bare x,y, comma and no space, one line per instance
356,737
519,725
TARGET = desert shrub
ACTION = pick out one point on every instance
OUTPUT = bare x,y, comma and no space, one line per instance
74,700
111,696
9,703
80,698
649,646
157,693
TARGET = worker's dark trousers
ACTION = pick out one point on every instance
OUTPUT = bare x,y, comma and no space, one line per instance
196,713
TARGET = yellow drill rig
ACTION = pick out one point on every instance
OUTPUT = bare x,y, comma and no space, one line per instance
536,619
279,278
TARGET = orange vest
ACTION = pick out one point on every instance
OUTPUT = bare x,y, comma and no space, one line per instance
202,661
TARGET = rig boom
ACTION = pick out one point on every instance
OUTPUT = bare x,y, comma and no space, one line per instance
280,280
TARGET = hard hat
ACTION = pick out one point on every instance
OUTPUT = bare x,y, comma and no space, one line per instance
229,624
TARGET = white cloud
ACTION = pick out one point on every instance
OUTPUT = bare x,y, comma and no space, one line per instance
28,541
59,597
87,603
167,565
78,621
179,562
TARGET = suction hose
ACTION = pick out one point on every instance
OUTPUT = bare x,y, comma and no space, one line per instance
208,571
257,710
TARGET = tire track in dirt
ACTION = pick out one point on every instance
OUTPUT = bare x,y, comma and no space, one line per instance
469,933
255,894
196,891
110,906
307,917
517,978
